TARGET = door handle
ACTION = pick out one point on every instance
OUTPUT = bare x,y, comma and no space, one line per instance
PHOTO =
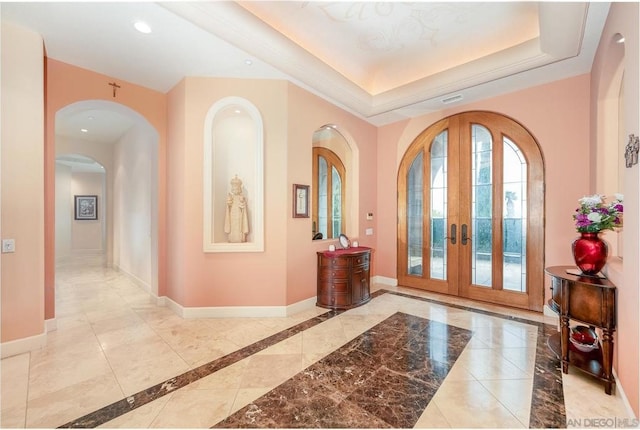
452,236
465,238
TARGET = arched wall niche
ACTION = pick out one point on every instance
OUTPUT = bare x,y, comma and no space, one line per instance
339,141
233,146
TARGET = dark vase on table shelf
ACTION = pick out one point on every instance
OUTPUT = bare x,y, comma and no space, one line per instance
590,253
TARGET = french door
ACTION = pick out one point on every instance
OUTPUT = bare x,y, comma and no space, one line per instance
471,211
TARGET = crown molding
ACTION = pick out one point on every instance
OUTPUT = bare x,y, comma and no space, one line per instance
562,30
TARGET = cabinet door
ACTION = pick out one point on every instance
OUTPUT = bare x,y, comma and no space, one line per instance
365,285
360,284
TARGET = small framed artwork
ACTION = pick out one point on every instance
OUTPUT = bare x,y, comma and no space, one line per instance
300,201
86,207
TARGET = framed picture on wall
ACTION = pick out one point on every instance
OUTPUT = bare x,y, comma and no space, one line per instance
300,201
86,207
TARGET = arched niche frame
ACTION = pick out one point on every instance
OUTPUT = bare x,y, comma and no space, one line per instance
611,137
341,142
233,146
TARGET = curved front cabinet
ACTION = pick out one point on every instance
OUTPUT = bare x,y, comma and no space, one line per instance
343,278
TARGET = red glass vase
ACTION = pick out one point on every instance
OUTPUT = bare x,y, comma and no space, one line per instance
590,253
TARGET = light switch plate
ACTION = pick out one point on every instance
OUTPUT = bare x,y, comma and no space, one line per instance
368,232
8,245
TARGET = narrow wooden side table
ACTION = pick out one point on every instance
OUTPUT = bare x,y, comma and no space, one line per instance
590,300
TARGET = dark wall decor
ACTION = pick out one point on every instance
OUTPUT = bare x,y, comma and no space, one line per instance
300,201
86,207
631,151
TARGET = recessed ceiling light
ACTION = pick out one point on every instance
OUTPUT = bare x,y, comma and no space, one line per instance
91,117
619,38
84,130
142,27
248,62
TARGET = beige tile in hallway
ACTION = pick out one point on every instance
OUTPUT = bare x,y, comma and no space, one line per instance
112,342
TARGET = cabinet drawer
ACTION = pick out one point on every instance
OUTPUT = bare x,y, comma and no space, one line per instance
329,287
360,271
334,262
361,260
334,273
361,267
335,300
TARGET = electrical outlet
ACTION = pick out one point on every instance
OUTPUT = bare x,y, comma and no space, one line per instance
8,245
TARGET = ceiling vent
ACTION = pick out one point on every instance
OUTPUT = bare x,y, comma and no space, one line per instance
452,99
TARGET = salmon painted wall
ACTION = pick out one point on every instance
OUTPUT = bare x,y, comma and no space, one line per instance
285,272
22,214
67,84
387,203
199,279
175,269
556,114
623,19
308,113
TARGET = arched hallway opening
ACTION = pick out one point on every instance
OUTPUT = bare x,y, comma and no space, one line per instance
108,150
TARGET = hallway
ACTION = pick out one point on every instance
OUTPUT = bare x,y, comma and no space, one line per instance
117,360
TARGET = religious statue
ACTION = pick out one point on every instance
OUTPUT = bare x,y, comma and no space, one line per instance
236,222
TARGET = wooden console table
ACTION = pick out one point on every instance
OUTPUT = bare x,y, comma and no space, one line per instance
343,278
592,301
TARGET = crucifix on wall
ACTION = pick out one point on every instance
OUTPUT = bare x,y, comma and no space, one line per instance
115,87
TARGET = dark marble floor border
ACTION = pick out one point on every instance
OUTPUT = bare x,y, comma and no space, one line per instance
547,398
383,378
547,404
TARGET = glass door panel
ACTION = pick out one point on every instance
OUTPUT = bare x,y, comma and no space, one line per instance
322,197
438,207
336,208
514,218
415,217
482,207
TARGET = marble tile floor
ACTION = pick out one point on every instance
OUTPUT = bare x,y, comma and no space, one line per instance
409,359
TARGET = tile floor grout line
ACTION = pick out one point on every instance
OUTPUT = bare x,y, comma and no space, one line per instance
134,401
400,369
118,408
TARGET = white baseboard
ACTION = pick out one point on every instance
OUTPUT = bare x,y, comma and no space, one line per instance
136,280
50,325
62,258
300,306
625,400
548,312
237,311
20,346
384,280
82,252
